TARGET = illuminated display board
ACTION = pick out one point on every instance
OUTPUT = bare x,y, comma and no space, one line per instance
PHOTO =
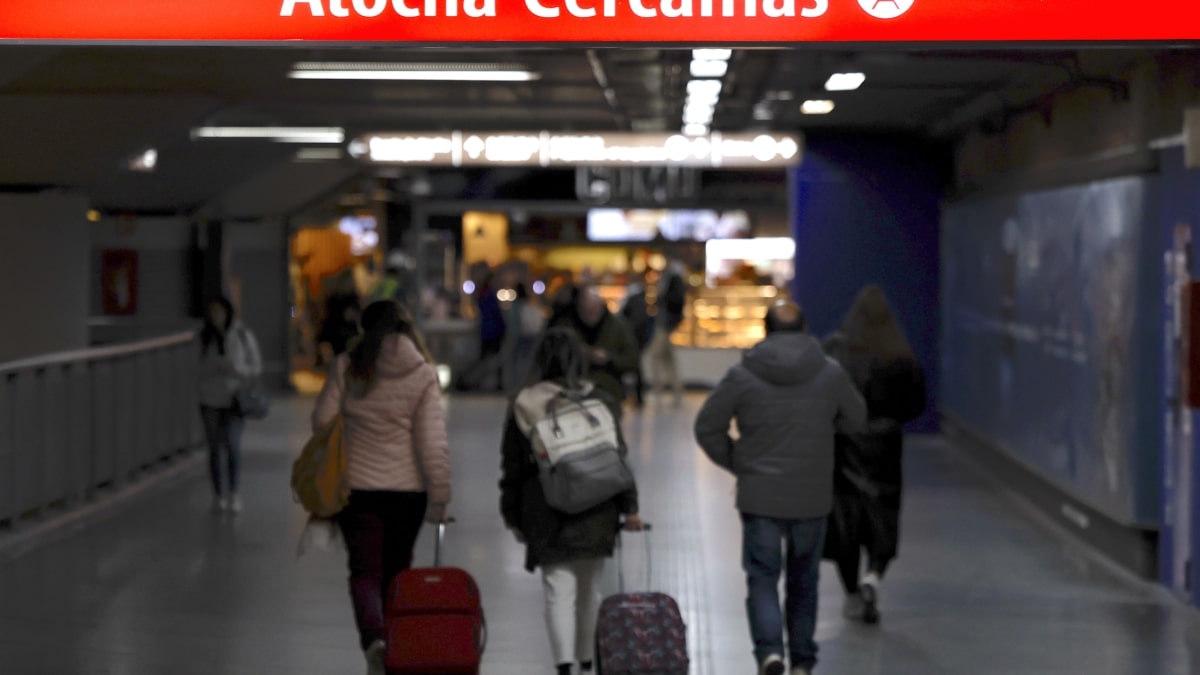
458,148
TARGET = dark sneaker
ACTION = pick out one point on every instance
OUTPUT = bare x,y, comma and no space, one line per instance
773,665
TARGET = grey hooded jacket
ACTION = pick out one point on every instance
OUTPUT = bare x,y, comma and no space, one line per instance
787,398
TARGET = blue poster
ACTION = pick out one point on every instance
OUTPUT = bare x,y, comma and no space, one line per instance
1041,351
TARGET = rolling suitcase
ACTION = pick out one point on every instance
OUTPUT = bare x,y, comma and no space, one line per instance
640,633
434,621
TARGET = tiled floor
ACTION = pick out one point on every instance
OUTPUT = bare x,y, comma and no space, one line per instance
162,586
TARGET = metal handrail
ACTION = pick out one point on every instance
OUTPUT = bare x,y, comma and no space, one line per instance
95,353
76,423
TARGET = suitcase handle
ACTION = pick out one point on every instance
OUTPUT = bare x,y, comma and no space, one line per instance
437,542
646,527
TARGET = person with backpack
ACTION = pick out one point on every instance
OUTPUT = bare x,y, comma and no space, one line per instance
397,458
568,541
229,358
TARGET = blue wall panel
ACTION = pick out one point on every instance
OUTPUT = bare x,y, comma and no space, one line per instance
867,211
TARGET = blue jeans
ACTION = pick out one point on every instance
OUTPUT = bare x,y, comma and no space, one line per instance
762,558
223,429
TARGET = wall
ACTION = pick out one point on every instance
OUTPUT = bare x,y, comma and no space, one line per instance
1180,220
43,274
1083,138
165,283
867,211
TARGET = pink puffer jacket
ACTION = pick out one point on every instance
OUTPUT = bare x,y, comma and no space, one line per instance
396,434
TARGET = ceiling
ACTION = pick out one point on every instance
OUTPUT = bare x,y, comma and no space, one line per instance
73,116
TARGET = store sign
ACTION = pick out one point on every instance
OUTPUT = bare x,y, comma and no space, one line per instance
656,185
598,21
550,149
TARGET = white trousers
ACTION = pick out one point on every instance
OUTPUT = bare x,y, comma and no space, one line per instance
572,607
664,369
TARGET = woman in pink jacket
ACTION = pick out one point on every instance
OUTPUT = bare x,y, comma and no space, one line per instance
397,458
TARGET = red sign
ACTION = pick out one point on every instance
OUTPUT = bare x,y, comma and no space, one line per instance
600,21
119,281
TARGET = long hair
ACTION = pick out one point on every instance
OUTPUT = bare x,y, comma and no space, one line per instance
871,326
559,356
380,320
212,334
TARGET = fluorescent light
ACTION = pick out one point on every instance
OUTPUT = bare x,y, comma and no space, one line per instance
430,72
145,161
844,81
813,107
705,68
712,54
318,154
695,129
704,88
281,134
697,115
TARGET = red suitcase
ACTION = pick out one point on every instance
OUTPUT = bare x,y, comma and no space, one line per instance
434,621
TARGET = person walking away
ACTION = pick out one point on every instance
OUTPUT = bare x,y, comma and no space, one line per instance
670,299
608,342
397,458
787,397
229,356
524,325
570,549
868,480
636,312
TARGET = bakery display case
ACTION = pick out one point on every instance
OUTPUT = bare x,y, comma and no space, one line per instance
726,317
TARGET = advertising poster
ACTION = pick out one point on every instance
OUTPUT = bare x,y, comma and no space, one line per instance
1043,350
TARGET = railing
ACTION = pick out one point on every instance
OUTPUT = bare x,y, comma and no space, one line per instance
76,423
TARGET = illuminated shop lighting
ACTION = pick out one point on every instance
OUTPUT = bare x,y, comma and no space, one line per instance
845,81
468,287
763,248
816,107
280,134
539,287
428,72
695,129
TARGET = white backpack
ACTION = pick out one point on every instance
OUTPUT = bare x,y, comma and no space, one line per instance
575,445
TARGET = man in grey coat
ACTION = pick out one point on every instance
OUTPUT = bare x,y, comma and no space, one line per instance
788,398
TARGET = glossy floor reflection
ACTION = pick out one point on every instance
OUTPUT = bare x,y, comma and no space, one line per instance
162,586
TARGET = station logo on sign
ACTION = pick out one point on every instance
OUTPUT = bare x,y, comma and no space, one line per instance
886,9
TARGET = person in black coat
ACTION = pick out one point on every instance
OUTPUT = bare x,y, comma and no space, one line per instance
570,549
868,474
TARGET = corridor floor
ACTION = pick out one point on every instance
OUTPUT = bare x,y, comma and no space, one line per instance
161,586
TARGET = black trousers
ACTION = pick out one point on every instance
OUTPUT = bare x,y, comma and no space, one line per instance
380,529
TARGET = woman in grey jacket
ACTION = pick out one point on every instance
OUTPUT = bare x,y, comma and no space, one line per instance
229,357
